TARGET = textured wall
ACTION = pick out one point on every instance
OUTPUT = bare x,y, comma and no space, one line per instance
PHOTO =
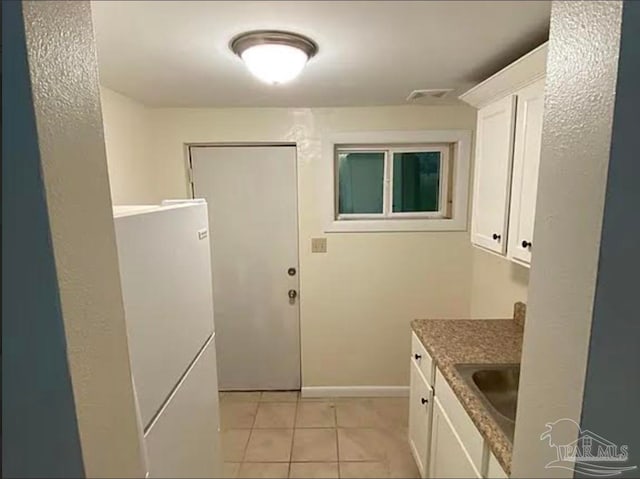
64,76
422,274
579,96
612,391
39,429
356,300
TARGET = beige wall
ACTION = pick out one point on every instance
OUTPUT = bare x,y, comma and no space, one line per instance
127,137
357,300
496,283
66,99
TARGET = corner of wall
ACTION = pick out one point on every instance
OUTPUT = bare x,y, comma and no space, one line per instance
127,134
70,140
496,284
580,94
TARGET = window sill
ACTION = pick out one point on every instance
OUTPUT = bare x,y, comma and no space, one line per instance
396,225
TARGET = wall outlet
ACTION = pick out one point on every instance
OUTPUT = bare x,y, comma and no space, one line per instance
318,245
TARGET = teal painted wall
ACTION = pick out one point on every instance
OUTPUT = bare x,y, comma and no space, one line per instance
39,429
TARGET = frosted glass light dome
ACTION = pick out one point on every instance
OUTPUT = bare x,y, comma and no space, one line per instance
274,57
274,63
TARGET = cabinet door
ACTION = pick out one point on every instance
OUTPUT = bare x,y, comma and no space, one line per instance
420,407
526,159
494,469
492,179
448,458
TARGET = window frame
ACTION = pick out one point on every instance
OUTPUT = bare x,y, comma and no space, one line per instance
387,180
458,143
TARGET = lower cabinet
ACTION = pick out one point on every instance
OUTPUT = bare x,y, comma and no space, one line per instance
444,441
420,408
448,456
494,469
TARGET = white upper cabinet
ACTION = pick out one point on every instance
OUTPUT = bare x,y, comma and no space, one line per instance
509,132
494,146
526,159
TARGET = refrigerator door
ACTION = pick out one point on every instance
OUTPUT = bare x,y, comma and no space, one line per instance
165,271
183,441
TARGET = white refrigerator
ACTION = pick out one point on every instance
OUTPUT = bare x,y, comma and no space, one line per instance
165,271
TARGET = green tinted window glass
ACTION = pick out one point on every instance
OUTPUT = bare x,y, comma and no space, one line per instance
416,182
361,181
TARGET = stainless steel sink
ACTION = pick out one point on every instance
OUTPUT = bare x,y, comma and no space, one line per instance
497,387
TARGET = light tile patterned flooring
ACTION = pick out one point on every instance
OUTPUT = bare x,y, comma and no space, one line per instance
279,435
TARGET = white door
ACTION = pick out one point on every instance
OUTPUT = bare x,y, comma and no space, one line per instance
448,458
526,160
492,179
420,407
252,197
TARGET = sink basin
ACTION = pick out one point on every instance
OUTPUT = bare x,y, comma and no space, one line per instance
497,387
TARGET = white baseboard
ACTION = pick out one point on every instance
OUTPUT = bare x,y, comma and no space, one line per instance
354,391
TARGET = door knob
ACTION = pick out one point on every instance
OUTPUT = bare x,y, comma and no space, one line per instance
526,244
417,356
293,294
424,401
496,236
291,271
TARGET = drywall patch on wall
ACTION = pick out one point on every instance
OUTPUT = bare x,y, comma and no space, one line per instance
66,98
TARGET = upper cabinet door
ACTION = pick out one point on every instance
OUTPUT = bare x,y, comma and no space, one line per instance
526,160
492,179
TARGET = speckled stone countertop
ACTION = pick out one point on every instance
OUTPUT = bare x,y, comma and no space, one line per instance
456,341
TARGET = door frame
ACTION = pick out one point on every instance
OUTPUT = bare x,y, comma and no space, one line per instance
191,194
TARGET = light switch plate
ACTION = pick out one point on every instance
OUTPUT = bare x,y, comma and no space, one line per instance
318,245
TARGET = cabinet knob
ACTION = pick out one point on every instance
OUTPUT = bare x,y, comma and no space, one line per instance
526,244
496,236
417,356
424,400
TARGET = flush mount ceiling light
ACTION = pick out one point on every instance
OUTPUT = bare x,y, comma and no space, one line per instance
273,56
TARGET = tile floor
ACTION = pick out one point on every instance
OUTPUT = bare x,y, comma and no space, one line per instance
279,435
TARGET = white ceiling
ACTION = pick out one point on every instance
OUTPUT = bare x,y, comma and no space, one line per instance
370,53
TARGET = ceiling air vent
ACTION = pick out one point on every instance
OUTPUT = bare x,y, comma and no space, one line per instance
432,93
